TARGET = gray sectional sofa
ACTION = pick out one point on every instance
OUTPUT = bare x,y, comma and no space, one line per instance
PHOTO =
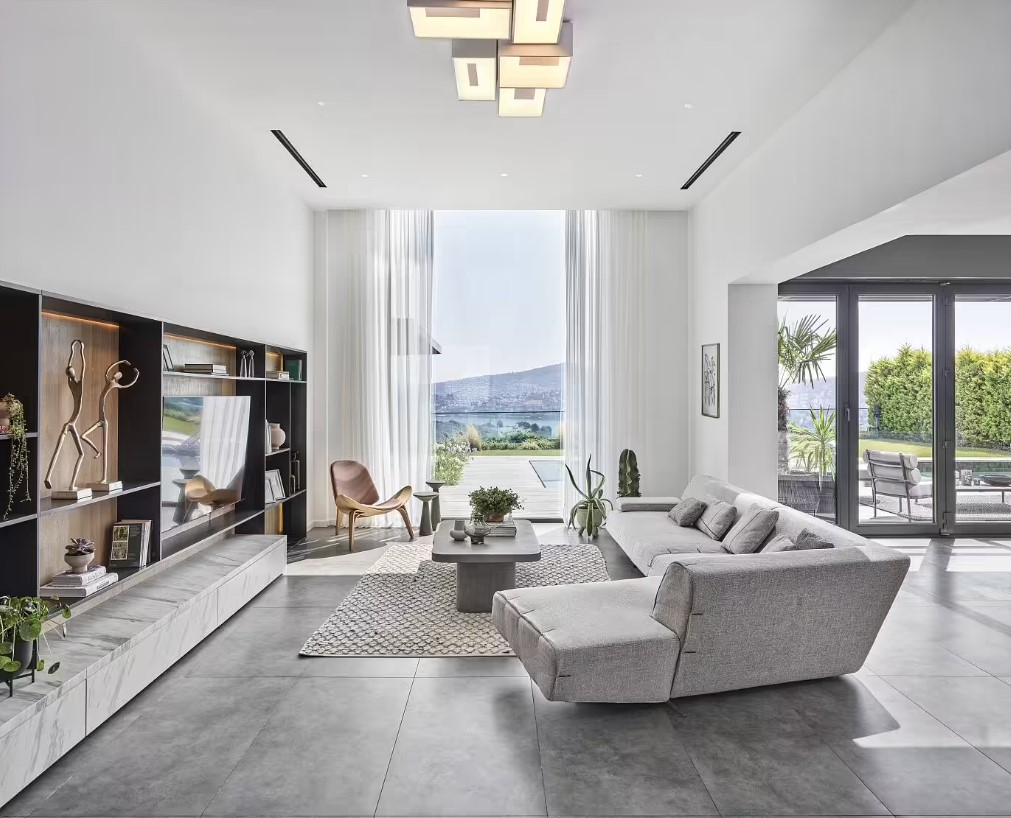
704,620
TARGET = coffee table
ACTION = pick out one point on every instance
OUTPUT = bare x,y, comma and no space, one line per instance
481,570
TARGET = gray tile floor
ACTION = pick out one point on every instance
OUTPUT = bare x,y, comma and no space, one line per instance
243,727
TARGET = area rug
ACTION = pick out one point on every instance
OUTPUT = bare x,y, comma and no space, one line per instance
405,605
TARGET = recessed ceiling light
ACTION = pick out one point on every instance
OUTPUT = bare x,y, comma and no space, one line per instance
321,104
365,176
503,175
689,105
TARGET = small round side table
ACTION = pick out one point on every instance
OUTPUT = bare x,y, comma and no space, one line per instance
435,485
425,526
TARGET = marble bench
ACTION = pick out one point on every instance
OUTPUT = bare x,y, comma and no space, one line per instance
111,652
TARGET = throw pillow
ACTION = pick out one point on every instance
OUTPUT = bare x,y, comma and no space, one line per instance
749,534
806,541
717,520
779,543
687,512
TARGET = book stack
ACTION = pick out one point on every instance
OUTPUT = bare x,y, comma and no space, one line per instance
506,529
205,369
131,544
280,375
78,586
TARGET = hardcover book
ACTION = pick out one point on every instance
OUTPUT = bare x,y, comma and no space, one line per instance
130,544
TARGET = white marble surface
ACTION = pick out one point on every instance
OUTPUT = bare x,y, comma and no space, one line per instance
113,651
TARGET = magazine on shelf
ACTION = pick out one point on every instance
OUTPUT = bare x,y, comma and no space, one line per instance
80,591
72,580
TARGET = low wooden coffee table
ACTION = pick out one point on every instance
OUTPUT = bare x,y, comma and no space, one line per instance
481,570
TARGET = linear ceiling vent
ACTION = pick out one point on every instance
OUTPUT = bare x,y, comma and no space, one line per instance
712,158
298,157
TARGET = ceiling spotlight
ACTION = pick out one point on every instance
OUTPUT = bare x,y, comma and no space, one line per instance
689,105
638,176
462,19
544,65
321,104
476,66
365,176
537,21
503,175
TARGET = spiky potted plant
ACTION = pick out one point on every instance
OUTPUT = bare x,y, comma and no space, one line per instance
628,474
22,619
590,513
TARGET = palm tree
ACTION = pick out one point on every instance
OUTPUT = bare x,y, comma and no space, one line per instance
814,448
803,347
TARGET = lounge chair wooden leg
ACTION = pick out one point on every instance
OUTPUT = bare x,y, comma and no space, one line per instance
352,519
407,521
339,516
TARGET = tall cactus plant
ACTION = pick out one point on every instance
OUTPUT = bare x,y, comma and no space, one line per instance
628,474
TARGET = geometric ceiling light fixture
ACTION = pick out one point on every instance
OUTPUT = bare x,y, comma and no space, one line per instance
476,66
521,102
537,21
462,19
542,65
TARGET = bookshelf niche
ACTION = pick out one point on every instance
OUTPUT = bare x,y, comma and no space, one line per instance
40,329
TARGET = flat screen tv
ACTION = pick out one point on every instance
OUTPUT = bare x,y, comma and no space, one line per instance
203,456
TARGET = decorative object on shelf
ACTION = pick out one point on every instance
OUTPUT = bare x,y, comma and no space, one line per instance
22,619
477,529
278,375
166,359
965,477
493,504
435,485
458,531
131,544
294,369
113,380
711,380
296,471
205,369
590,513
76,384
12,417
277,436
246,358
628,474
80,553
275,485
425,527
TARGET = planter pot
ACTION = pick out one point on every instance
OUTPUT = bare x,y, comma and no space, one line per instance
589,522
277,436
78,563
495,518
24,652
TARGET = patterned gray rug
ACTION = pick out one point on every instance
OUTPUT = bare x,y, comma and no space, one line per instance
405,605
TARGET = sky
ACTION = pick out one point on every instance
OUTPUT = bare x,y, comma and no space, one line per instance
499,291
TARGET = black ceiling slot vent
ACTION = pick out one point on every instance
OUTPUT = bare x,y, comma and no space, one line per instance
298,157
712,158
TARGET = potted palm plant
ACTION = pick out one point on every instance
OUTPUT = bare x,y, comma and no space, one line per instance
803,347
813,453
590,513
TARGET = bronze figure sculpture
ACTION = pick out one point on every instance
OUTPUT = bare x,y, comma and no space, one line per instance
113,380
76,384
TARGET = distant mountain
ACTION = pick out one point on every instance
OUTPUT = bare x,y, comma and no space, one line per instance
538,389
821,395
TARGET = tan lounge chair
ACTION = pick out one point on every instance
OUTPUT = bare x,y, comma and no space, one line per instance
356,495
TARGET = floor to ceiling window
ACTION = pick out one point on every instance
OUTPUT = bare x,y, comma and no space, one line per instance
498,381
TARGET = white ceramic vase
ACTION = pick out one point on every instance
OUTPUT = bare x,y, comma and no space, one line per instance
277,436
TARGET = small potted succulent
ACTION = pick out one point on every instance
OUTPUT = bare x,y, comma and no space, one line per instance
22,619
494,504
80,553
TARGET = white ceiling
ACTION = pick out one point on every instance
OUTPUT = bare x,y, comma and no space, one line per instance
391,110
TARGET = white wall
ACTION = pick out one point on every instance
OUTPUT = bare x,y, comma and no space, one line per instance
925,101
117,187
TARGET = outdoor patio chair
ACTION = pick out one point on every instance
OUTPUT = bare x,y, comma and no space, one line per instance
894,474
355,495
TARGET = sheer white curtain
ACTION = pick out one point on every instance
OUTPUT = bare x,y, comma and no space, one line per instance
380,314
606,302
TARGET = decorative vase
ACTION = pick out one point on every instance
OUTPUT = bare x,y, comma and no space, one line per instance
583,522
477,529
277,436
458,531
496,518
78,562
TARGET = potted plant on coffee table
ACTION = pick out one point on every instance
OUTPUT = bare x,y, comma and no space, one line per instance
590,513
22,619
494,504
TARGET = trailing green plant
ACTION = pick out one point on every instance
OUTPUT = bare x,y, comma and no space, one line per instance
17,478
803,347
451,458
813,450
628,474
590,513
494,503
22,619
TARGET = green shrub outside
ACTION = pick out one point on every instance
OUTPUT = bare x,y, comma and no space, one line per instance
451,456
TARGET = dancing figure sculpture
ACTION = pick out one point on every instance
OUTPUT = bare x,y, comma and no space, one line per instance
76,384
113,380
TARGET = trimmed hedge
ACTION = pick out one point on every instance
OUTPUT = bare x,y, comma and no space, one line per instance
903,387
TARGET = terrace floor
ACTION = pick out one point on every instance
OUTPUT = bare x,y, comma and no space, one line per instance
529,476
243,727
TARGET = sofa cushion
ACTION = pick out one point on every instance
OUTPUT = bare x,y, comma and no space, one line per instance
778,544
646,503
688,512
644,535
751,531
591,642
662,561
717,520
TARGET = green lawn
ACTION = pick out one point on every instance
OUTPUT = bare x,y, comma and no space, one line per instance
924,450
519,453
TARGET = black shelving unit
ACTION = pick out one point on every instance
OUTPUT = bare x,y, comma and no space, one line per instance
38,326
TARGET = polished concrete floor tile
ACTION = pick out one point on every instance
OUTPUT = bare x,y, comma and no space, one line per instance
894,656
467,747
978,710
360,666
324,751
616,760
305,592
172,760
471,666
261,641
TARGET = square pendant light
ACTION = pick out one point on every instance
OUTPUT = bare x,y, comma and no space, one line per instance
462,19
523,102
476,66
537,21
536,66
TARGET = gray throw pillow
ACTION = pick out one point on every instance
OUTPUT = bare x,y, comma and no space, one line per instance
717,520
779,543
687,512
749,534
806,541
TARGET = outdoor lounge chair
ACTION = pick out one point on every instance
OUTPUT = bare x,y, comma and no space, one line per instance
356,495
894,474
